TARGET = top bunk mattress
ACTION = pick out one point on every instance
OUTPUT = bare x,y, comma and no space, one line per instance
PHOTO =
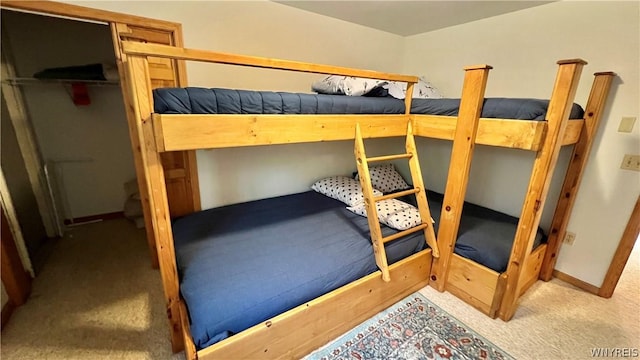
242,264
194,100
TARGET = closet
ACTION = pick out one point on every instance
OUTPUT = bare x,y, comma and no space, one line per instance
80,126
75,139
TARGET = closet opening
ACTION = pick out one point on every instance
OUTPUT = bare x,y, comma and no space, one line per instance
65,73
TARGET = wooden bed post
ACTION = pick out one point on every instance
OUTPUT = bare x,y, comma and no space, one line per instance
475,83
140,84
593,113
546,158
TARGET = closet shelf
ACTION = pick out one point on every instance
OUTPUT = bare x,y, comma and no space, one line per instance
34,81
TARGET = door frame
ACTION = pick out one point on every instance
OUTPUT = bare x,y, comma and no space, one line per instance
114,19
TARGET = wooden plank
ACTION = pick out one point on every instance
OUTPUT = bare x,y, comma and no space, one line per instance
558,115
593,113
421,196
498,295
572,134
472,282
81,12
147,34
190,132
532,268
396,195
623,251
255,61
388,157
190,352
473,89
404,232
140,93
516,134
303,329
117,28
377,240
521,134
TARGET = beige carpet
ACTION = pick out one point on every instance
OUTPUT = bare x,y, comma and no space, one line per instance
558,321
98,298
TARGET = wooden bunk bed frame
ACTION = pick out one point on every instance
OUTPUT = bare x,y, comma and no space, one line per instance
306,327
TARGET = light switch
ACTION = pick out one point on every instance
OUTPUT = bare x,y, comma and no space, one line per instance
626,124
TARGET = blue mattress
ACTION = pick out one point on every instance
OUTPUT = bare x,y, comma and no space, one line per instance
194,100
242,264
484,236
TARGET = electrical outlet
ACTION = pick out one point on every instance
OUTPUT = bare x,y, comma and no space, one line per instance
569,238
631,162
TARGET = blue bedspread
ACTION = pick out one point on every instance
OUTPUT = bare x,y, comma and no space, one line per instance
242,264
194,100
484,236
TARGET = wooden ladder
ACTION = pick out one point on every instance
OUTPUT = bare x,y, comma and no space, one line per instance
370,200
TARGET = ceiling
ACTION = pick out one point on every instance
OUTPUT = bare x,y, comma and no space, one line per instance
410,17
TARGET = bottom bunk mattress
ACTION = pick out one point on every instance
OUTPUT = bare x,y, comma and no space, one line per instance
485,236
242,264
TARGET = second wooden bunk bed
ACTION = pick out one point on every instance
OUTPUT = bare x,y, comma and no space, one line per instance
306,327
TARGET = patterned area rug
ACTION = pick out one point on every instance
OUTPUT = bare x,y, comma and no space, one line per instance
414,328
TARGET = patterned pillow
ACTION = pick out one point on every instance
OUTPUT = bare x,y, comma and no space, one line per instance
421,90
342,188
386,179
393,213
347,85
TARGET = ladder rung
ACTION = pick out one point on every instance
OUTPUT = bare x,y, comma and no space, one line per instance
396,195
389,157
403,233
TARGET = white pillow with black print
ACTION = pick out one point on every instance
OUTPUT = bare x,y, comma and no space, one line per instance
386,179
347,85
342,188
393,213
421,90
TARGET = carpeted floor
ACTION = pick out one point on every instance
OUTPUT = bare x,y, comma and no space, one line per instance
98,298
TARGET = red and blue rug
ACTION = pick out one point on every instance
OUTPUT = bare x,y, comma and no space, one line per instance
414,328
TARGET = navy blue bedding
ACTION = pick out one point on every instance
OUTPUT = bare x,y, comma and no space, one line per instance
485,236
242,264
194,100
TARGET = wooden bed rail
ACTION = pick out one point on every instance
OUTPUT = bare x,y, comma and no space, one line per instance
560,104
172,52
593,113
473,89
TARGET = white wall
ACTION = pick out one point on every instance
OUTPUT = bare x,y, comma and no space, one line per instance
92,141
523,47
263,28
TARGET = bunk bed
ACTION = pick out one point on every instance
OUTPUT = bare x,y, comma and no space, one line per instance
310,323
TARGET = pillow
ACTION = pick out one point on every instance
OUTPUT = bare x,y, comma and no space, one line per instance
347,85
421,90
393,213
342,188
386,179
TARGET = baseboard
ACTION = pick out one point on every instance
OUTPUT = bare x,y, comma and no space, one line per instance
7,310
83,219
576,282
